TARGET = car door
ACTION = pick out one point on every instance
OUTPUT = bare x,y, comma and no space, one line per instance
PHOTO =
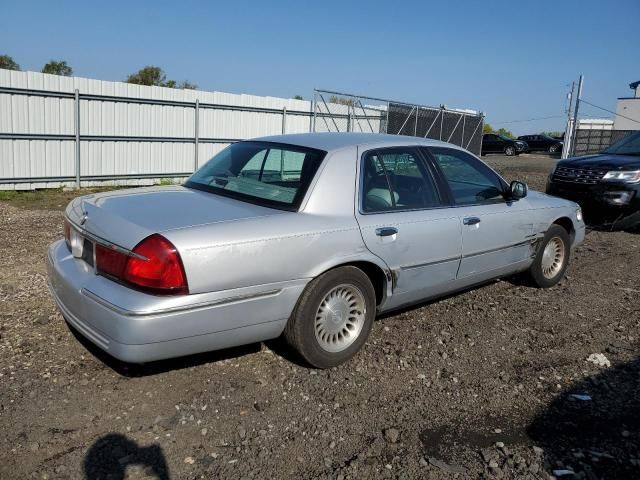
536,143
492,144
402,220
496,233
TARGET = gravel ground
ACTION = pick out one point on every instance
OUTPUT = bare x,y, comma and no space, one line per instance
491,383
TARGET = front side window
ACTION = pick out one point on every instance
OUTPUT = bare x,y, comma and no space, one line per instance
396,180
260,172
471,181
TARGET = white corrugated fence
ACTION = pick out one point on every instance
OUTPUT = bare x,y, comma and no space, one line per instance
128,134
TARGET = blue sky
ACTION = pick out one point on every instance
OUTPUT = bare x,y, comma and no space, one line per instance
510,59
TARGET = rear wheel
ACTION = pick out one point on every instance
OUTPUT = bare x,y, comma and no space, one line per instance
509,151
333,317
552,258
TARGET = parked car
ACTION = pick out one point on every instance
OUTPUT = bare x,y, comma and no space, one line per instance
309,235
542,143
607,185
494,143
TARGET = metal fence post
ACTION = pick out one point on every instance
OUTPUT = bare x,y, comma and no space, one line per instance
464,119
314,104
284,120
441,121
415,127
576,122
349,121
196,131
386,122
76,98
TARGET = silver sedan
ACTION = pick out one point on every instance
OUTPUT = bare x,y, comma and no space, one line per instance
307,236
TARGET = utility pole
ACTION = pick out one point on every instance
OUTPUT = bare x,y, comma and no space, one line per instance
568,131
575,114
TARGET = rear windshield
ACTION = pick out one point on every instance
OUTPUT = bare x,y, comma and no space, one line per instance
270,174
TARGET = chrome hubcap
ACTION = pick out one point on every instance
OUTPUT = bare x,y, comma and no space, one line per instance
340,318
553,257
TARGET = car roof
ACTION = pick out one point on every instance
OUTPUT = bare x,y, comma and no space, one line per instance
336,140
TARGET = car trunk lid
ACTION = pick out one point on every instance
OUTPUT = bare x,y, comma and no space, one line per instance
125,217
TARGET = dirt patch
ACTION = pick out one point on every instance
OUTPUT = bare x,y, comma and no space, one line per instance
475,385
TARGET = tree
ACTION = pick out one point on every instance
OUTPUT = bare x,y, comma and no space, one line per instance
487,128
342,101
149,75
8,63
155,77
58,68
505,133
298,97
554,134
187,85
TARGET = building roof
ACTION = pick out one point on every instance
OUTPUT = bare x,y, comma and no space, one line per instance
336,140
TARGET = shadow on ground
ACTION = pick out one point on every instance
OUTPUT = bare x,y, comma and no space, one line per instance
594,429
162,366
109,457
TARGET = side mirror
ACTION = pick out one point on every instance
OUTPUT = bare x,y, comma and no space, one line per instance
518,190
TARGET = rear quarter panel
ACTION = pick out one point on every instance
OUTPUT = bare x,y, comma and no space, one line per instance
291,246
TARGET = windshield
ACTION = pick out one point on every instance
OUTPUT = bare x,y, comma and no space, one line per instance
505,138
629,145
269,174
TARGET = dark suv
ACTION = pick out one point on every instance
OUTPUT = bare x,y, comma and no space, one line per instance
542,143
606,185
494,143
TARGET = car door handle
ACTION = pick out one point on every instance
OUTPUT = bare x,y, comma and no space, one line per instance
471,220
386,231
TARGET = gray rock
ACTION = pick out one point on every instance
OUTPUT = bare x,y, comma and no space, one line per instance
392,435
447,467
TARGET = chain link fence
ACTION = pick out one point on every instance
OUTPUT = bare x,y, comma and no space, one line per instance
342,112
589,141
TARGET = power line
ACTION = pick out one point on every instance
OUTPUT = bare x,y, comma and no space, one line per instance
616,114
529,119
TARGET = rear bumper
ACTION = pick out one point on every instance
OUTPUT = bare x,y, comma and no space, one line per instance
136,327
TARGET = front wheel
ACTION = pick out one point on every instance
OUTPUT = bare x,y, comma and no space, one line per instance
509,151
552,258
333,317
553,148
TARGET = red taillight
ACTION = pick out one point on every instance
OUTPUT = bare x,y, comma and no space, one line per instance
160,271
110,262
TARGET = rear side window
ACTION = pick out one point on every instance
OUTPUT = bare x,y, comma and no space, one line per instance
396,180
471,181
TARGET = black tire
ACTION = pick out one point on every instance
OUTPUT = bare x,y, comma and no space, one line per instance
509,150
553,148
555,233
300,330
